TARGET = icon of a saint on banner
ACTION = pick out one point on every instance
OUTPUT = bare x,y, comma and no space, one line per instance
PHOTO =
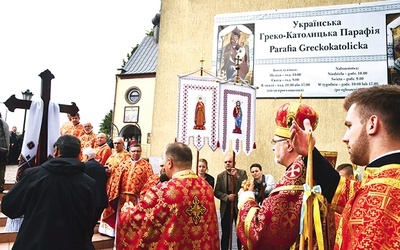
200,115
237,114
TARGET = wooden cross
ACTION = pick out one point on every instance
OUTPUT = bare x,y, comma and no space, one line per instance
12,103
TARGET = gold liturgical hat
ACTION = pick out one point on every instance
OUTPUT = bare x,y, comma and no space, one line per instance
293,111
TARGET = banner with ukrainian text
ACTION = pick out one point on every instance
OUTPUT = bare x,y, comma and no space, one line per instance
325,51
198,111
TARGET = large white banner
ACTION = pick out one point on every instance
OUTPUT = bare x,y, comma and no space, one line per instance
237,112
222,114
198,111
314,52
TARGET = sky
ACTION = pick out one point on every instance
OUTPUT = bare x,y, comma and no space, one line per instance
82,43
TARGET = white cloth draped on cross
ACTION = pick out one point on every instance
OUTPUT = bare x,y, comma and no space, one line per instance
30,144
32,133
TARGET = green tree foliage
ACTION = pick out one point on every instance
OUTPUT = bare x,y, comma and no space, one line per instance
150,33
105,126
128,56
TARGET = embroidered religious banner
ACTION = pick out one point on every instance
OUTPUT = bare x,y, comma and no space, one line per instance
237,117
198,111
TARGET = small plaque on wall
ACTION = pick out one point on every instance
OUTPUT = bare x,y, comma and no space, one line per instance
131,114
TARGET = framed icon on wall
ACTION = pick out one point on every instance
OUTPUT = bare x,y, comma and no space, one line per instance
131,114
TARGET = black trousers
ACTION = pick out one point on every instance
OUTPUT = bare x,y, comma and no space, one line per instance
97,214
3,163
225,226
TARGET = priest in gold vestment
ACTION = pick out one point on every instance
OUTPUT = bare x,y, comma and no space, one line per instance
125,184
88,140
103,151
370,209
276,223
119,155
76,129
175,214
66,126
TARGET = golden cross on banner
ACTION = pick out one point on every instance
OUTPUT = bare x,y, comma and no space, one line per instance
237,67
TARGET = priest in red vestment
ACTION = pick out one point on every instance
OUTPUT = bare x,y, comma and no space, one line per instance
76,128
175,214
66,126
370,209
119,155
125,184
276,223
88,139
103,151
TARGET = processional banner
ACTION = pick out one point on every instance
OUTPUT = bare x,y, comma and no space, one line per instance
198,110
237,117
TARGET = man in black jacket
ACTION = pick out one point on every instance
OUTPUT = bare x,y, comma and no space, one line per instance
5,145
98,173
15,146
56,200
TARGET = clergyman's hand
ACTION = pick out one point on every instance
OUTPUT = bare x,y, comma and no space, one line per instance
299,137
245,195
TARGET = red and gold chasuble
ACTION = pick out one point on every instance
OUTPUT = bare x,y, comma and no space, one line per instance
75,130
116,158
126,182
276,224
371,214
151,182
113,163
176,214
78,130
66,127
88,140
102,153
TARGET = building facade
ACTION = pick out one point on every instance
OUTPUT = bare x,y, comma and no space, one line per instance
186,35
134,95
